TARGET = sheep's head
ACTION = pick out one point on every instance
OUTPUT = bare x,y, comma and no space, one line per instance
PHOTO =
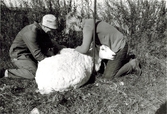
102,52
106,53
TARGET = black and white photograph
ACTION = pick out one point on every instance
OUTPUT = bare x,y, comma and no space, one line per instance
83,57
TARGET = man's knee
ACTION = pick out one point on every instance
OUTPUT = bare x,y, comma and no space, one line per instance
31,74
25,68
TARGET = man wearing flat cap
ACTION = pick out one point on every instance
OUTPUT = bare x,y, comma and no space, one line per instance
31,45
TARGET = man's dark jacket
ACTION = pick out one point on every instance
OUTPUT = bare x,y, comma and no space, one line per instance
31,42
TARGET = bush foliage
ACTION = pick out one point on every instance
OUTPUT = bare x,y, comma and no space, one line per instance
141,20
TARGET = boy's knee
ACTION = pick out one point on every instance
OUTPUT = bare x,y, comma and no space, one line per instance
111,69
108,73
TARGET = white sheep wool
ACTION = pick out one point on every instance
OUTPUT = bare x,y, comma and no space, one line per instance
67,70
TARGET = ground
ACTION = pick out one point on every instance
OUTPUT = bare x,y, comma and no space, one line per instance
131,94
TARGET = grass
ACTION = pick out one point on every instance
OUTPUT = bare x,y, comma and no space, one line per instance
130,94
138,95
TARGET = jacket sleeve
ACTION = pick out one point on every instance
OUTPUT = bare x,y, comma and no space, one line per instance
55,49
30,38
87,39
56,45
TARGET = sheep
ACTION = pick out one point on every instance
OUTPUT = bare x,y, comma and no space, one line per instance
69,69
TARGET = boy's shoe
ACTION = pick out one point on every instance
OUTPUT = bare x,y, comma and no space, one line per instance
2,73
136,66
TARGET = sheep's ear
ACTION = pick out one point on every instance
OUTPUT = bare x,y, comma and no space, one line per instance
102,47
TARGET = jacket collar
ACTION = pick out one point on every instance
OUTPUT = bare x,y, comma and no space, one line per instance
38,25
